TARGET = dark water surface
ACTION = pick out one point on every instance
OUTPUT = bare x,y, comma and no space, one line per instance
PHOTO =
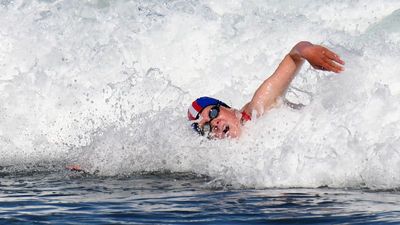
165,198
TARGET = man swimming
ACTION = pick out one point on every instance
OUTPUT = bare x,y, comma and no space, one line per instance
214,118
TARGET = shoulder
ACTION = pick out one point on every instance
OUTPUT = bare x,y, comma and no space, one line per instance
257,108
250,109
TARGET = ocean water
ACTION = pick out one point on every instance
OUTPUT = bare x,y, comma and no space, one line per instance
106,85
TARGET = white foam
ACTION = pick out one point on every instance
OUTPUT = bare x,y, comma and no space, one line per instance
107,85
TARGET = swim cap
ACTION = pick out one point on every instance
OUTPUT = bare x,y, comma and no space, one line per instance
199,104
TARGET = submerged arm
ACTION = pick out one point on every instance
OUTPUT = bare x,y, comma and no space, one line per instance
276,85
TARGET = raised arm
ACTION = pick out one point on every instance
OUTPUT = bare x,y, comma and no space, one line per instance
276,85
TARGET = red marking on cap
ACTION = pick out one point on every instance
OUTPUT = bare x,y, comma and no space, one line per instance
196,106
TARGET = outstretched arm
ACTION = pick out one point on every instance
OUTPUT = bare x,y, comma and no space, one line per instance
276,85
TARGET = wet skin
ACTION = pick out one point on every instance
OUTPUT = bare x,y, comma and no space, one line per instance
227,124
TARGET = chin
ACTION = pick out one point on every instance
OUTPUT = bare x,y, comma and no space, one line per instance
234,132
232,136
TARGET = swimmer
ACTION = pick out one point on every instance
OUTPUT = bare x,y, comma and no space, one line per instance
215,119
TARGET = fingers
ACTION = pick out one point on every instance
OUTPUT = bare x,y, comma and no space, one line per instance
319,67
328,65
332,65
331,55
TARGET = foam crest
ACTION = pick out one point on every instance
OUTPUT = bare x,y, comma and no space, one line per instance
106,85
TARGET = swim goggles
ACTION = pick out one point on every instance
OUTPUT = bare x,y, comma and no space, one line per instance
207,128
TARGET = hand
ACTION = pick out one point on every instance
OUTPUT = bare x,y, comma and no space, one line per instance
74,168
322,58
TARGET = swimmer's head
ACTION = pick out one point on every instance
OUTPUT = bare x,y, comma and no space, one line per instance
214,118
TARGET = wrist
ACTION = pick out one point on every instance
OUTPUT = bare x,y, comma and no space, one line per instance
300,47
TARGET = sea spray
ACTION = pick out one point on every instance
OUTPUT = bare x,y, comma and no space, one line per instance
106,85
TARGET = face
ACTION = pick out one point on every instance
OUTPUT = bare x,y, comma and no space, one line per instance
226,124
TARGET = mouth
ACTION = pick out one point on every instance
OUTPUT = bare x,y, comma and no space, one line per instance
226,129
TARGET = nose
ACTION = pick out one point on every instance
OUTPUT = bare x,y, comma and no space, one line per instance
217,128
